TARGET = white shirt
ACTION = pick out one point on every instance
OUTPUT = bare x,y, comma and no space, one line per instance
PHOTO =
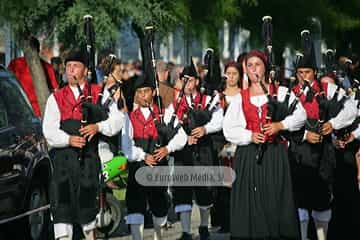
105,153
134,153
234,125
58,138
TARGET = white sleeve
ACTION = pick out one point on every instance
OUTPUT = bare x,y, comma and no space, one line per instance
180,138
346,116
128,147
297,119
113,124
356,132
51,125
234,124
216,121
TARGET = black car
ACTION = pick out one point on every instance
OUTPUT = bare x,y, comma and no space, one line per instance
25,168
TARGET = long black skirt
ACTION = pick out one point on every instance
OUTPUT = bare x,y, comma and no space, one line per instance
262,205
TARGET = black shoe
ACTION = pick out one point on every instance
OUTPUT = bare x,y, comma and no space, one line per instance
204,233
223,230
185,236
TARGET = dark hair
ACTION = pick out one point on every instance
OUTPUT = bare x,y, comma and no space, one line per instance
238,67
56,60
34,43
114,64
241,57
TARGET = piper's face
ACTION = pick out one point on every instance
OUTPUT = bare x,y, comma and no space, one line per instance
255,69
144,96
233,76
191,85
305,74
75,72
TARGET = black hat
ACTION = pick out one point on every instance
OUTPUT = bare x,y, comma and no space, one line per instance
190,70
308,60
143,81
78,56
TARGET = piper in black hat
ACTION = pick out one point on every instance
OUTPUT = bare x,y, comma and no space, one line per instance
75,180
313,158
142,136
198,124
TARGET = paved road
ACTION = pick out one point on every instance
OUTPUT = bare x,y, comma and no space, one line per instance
171,233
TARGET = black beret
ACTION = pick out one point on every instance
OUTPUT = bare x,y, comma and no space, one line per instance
143,81
77,56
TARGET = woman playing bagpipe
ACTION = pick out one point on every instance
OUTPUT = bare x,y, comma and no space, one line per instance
346,209
261,199
200,117
144,144
312,157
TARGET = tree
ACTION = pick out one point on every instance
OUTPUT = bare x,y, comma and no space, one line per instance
28,18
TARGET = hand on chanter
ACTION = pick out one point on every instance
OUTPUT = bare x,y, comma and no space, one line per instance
313,137
257,137
272,128
326,128
160,153
77,141
89,131
198,132
192,140
150,160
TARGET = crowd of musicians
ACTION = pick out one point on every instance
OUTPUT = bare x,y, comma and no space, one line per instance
293,144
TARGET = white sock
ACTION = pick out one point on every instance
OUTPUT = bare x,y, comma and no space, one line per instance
304,229
204,217
321,229
185,219
137,231
158,223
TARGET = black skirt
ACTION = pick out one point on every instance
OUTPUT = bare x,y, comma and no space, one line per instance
262,205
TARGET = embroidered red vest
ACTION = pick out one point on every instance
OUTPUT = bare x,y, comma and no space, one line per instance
184,106
311,108
251,113
144,128
70,108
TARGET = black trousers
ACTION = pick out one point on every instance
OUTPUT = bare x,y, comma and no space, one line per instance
138,197
200,155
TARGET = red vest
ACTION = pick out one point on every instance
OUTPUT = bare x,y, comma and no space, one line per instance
184,106
70,107
311,108
22,72
144,128
251,113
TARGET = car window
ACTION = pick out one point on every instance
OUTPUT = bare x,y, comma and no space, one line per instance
18,111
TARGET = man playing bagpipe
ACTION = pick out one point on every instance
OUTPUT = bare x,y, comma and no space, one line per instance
143,151
312,155
346,209
200,117
71,126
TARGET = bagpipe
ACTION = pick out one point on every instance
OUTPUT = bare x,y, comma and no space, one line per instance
276,110
200,114
166,131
